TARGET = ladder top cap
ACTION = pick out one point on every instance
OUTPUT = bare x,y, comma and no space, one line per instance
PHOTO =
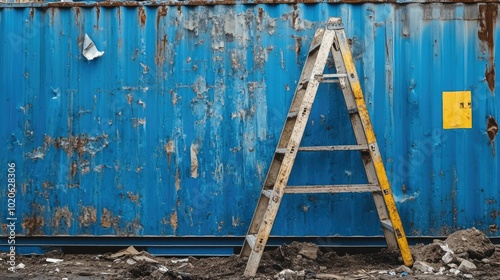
334,23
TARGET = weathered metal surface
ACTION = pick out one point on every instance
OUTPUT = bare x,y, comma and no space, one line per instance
171,131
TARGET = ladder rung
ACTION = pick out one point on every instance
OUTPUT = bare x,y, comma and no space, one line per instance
292,114
334,148
267,193
281,151
338,75
251,240
360,188
331,78
387,224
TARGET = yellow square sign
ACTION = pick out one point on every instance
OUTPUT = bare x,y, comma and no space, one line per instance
457,109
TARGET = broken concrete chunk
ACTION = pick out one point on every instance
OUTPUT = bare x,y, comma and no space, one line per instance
144,258
130,251
131,262
423,267
467,266
447,258
403,268
51,260
286,274
446,248
469,276
21,266
90,51
309,250
162,268
452,265
180,260
454,271
329,276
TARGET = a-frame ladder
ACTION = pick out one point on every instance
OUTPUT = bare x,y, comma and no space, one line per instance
330,40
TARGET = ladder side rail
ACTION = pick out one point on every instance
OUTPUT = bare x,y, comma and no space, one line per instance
373,147
289,157
277,160
361,139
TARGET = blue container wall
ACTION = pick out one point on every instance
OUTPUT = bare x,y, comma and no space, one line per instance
172,130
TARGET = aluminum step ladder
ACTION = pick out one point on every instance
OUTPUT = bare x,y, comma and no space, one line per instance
331,39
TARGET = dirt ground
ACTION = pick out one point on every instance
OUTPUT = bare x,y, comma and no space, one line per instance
466,254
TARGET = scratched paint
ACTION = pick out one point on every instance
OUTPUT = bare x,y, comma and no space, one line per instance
171,131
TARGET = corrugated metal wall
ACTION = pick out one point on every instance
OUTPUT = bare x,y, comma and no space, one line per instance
171,131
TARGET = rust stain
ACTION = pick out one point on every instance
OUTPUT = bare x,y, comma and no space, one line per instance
98,14
52,12
298,46
81,144
33,225
136,122
134,197
161,45
62,213
174,97
169,149
177,180
32,12
492,131
73,169
220,225
295,15
161,12
493,228
47,185
492,128
494,214
108,220
142,15
77,14
88,216
173,221
486,33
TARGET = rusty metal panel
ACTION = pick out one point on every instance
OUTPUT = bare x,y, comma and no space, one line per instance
170,132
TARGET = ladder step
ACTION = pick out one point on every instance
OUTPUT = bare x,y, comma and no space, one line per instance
334,148
337,75
281,151
292,114
251,240
331,78
359,188
267,193
387,224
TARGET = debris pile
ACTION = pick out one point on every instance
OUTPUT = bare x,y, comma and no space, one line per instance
460,254
464,254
